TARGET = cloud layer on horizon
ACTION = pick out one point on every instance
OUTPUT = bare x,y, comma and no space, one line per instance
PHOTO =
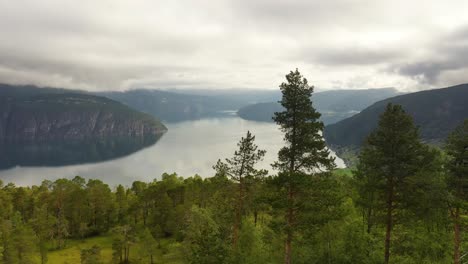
117,44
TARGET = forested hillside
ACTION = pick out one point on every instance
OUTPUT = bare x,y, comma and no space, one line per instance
190,220
28,113
51,127
436,113
403,203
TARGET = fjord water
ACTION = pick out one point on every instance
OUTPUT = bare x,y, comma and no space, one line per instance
188,148
70,152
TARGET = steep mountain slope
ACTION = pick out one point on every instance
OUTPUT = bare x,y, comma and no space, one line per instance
28,113
436,112
334,105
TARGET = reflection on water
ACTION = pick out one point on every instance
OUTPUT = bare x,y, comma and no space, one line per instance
62,153
188,148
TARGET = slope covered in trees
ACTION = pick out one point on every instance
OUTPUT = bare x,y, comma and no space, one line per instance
436,113
40,114
45,126
404,203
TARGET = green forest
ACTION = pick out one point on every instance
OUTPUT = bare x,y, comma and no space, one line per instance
404,202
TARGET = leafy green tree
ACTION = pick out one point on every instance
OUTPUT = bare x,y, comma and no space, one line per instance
149,247
457,151
117,251
22,202
8,248
390,159
100,202
5,203
202,239
125,238
91,255
43,225
19,241
305,152
77,208
138,206
59,195
122,204
241,169
252,248
193,191
162,211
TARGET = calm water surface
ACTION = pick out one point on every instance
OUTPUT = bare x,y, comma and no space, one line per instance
188,148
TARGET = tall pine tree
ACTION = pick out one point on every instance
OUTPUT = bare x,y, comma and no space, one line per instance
457,151
241,169
390,158
305,152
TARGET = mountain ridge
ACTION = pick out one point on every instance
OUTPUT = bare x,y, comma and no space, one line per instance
436,112
334,105
28,113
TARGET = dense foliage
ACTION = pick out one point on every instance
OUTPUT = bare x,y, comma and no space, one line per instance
405,202
436,112
301,162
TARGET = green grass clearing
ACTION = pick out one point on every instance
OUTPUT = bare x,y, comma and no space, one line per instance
170,252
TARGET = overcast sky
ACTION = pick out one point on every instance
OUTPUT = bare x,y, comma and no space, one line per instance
116,44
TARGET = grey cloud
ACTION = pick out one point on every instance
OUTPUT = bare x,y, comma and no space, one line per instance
347,56
461,34
82,74
294,12
225,43
448,53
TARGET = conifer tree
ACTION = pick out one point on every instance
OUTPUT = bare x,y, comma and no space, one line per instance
457,150
391,156
241,169
305,152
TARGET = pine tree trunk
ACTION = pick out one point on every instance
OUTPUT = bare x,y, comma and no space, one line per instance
237,221
289,223
255,217
128,254
389,220
369,229
145,214
457,237
235,234
369,224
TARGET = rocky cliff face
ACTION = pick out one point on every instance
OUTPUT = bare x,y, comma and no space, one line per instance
52,117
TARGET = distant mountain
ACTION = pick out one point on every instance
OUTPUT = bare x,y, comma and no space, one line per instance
51,127
177,106
28,113
334,105
262,112
436,112
246,96
350,100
